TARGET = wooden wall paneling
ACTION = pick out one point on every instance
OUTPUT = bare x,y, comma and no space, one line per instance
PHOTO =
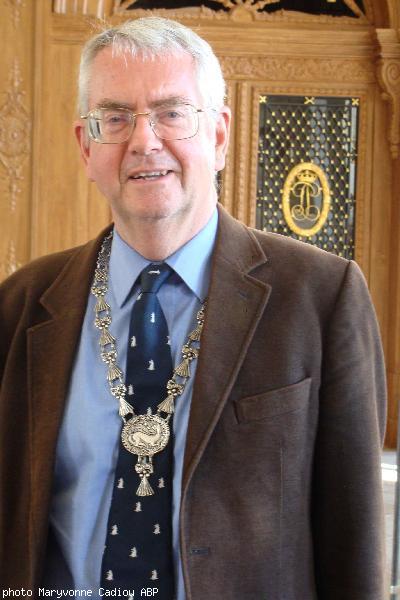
394,13
59,216
96,8
364,198
242,203
380,168
228,174
387,152
389,77
67,210
393,352
258,89
378,12
16,112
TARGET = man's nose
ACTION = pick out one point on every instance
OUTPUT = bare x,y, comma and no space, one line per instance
143,140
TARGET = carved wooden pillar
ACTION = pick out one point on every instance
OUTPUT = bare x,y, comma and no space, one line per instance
94,8
16,100
393,355
389,78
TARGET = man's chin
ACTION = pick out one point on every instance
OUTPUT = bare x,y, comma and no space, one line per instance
152,209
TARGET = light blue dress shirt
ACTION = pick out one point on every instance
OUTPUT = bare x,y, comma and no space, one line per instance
88,442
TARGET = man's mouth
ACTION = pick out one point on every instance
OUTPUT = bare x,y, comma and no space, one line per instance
150,175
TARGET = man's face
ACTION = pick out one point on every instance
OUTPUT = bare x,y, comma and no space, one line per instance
186,194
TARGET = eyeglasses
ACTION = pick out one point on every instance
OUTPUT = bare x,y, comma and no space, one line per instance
115,125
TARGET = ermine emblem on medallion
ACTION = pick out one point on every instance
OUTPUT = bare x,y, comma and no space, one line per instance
145,435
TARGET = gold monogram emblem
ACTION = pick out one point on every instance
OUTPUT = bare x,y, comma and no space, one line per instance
306,199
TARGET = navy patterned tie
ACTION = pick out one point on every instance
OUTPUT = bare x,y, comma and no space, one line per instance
138,552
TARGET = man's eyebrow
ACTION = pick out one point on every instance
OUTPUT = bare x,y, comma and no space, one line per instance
107,103
169,101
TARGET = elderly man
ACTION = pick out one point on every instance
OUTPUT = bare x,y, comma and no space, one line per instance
189,408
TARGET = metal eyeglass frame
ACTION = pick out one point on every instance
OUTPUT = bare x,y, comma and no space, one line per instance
147,114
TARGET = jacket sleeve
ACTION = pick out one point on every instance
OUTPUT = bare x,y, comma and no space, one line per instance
347,496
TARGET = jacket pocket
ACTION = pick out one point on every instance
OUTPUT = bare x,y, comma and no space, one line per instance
273,403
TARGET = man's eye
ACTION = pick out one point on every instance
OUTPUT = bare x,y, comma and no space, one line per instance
172,114
115,119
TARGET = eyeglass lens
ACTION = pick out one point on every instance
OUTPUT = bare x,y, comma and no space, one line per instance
168,123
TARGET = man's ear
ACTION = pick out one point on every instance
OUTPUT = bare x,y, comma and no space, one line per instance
222,137
83,141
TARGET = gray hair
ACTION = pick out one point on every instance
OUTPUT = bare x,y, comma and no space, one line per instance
155,37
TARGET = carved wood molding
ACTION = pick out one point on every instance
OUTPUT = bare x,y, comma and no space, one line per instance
15,135
369,6
243,121
243,11
94,8
301,69
228,173
240,15
16,7
11,263
389,79
389,76
394,14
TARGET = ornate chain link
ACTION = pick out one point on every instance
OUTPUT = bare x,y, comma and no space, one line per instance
108,344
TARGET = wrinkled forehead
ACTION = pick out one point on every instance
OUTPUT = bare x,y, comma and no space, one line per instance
143,77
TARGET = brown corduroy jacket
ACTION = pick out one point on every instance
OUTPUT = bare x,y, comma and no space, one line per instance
281,494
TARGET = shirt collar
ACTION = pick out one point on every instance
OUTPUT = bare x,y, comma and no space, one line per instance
192,262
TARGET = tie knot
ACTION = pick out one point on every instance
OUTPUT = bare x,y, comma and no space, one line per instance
153,276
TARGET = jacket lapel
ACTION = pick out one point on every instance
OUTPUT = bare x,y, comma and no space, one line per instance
51,349
236,302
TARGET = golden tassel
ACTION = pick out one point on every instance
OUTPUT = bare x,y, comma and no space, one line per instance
144,488
125,408
183,369
101,305
106,338
195,335
167,405
114,372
